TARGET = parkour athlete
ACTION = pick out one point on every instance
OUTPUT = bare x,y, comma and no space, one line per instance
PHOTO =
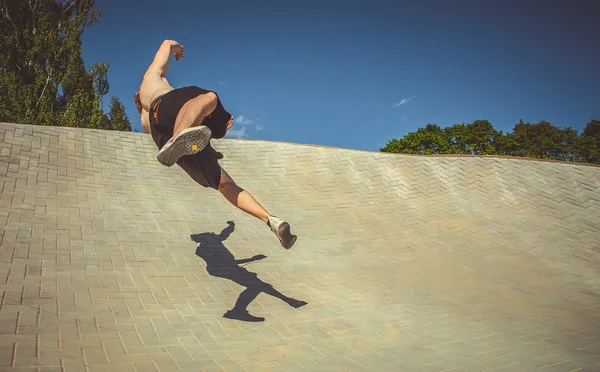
182,122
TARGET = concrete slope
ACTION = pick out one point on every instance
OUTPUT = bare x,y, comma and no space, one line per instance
111,261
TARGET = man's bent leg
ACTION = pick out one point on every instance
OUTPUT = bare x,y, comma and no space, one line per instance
194,111
246,202
188,137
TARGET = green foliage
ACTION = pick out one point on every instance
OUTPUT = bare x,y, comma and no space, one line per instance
117,116
543,140
540,140
477,138
426,141
589,143
42,74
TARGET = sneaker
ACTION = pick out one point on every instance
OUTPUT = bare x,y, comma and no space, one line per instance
282,231
190,141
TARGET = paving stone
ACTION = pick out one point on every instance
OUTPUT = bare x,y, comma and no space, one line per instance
407,263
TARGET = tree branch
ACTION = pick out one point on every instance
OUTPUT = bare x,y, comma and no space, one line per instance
70,5
44,90
11,21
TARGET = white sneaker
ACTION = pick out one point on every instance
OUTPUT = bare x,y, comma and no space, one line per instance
282,231
190,141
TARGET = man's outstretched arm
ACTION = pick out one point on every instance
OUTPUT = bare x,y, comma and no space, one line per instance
160,64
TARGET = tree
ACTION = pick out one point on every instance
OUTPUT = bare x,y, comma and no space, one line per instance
589,143
42,74
117,116
506,144
544,140
477,138
428,140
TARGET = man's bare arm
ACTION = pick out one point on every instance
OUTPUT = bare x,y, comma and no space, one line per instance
145,123
160,64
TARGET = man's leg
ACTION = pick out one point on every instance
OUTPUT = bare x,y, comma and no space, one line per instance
246,202
186,139
241,198
194,111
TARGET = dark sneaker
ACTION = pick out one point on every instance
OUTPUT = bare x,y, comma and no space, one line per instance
242,315
282,231
190,141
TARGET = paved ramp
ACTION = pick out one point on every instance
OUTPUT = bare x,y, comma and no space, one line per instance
110,261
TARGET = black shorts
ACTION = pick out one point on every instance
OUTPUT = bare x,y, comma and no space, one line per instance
204,166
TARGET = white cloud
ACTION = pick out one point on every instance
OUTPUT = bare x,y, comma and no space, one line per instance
404,101
242,120
237,133
243,126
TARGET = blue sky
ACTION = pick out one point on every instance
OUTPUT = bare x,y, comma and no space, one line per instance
355,74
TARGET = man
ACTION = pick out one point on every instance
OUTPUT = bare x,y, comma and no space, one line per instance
182,122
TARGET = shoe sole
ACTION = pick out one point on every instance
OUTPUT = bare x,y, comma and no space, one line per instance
286,236
189,142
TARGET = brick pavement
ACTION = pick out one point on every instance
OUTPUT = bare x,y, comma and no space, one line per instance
407,263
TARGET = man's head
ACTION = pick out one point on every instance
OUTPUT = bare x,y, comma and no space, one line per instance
138,103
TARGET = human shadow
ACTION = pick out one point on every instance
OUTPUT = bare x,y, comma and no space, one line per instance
221,263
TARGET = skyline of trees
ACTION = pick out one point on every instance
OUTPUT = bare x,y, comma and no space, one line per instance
531,140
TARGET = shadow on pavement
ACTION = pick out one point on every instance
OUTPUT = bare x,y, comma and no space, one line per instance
221,263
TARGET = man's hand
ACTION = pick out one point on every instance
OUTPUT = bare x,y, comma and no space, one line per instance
160,64
176,49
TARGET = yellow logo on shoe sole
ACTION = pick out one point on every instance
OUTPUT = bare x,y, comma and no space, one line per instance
194,147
